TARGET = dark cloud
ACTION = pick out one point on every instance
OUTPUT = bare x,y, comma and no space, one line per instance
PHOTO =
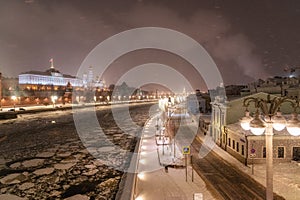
248,40
239,50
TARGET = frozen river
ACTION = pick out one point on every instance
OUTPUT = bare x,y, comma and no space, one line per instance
43,157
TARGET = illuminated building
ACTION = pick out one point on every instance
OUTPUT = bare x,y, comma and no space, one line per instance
45,84
51,77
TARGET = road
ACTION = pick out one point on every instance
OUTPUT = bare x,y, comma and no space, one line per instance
227,181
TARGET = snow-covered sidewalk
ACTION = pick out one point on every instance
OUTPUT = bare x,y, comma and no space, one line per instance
155,182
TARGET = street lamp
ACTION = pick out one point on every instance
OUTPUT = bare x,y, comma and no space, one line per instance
53,99
272,118
14,98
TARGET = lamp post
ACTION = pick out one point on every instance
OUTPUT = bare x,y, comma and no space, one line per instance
272,118
14,98
53,99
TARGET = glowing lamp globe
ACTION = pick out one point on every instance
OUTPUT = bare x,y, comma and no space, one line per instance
257,126
245,125
278,122
257,131
293,125
294,131
245,121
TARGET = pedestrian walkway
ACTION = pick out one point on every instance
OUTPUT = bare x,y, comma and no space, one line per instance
155,181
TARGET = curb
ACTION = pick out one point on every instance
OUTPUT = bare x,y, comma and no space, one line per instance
127,185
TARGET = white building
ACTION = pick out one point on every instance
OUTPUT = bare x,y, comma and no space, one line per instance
51,77
228,134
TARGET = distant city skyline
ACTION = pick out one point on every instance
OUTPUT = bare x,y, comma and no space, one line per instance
247,40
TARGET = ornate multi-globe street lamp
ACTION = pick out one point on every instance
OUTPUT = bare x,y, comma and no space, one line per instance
267,117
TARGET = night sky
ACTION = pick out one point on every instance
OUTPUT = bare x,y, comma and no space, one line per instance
247,39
